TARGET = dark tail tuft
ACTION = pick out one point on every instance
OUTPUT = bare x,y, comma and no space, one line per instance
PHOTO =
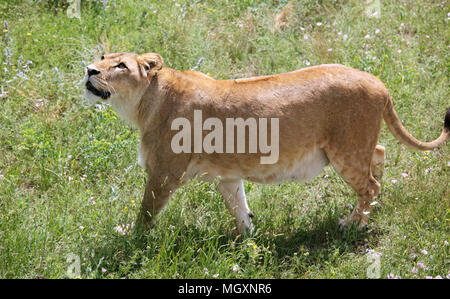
447,120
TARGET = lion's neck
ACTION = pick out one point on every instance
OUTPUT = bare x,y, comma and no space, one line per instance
162,96
153,104
126,109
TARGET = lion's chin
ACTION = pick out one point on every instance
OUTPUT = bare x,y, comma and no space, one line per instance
91,97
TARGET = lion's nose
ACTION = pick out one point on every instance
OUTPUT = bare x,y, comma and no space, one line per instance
91,71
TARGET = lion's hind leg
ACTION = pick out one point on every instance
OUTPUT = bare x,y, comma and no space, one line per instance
355,168
377,165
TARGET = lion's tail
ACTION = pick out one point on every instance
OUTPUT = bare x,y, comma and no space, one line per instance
399,132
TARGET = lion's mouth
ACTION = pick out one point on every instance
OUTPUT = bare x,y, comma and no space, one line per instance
100,93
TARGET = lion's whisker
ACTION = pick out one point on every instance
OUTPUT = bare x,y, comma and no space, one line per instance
109,86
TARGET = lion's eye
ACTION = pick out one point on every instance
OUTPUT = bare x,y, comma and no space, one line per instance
121,66
103,57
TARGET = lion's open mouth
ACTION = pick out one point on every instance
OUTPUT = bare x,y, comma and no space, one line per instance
100,93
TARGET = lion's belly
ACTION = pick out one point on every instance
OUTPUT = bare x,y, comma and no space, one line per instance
305,168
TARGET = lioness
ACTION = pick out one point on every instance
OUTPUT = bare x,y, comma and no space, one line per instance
327,114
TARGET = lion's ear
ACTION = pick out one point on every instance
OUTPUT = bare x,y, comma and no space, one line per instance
150,63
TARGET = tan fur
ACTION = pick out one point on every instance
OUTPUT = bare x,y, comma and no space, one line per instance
327,114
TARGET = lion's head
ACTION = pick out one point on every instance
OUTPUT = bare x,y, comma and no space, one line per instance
121,78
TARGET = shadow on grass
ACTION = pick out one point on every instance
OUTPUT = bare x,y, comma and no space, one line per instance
322,241
319,238
125,254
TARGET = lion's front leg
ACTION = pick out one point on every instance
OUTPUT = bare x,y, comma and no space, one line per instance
234,196
158,190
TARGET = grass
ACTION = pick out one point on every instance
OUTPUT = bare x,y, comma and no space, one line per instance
68,172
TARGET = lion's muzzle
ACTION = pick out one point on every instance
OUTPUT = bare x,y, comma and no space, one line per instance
100,93
92,72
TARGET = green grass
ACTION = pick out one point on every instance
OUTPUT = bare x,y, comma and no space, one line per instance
68,172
